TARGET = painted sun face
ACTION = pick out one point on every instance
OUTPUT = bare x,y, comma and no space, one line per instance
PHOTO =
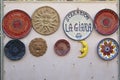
38,47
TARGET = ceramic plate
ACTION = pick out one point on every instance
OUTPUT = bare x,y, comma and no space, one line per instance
62,47
45,20
38,47
16,24
14,49
106,22
77,25
108,49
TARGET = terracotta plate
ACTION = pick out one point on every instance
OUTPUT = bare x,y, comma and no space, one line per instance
38,47
108,49
16,24
45,20
62,47
106,21
14,49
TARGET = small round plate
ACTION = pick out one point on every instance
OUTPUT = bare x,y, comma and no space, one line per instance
62,47
108,49
77,25
45,20
106,22
38,47
14,49
16,24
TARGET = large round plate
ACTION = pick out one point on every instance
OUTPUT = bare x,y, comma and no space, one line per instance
106,22
38,47
45,20
62,47
16,24
108,49
14,49
77,24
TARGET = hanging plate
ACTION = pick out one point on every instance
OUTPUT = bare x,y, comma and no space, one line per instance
77,24
45,20
38,47
106,21
108,49
62,47
14,49
16,24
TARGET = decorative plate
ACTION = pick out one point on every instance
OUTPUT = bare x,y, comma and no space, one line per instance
106,22
14,49
45,20
16,24
38,47
62,47
77,25
108,49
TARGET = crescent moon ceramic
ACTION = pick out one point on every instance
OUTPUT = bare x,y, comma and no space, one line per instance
84,50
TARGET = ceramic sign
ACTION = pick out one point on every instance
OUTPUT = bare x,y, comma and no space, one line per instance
45,20
77,24
106,22
108,49
14,49
16,24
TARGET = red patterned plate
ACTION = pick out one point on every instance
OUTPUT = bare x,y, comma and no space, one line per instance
62,47
106,22
16,24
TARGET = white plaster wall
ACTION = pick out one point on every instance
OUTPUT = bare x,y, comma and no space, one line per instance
70,67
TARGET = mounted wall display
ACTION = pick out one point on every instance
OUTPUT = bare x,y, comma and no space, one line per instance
56,56
77,25
108,49
45,20
106,22
14,49
16,24
38,47
62,47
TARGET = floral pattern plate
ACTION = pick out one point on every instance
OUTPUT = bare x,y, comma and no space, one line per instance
107,49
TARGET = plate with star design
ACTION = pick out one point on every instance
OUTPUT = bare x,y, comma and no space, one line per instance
107,49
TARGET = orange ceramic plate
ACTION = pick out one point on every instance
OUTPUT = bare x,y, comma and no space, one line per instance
16,24
106,22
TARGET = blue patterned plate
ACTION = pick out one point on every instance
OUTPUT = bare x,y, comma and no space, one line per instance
107,49
14,49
